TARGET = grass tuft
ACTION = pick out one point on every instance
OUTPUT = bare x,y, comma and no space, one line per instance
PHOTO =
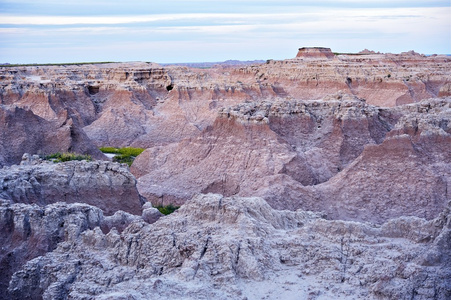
124,155
168,209
61,157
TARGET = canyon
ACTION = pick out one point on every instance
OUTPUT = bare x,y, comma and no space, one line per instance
325,175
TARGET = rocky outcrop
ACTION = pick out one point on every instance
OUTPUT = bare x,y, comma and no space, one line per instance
349,159
309,141
315,52
21,131
30,231
407,174
106,185
237,248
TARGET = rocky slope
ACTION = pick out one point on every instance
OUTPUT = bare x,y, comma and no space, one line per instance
21,131
308,140
107,185
349,159
240,248
30,231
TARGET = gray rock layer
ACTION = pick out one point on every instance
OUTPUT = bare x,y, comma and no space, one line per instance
107,185
216,247
30,231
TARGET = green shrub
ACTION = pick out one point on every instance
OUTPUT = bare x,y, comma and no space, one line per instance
168,209
124,155
123,159
127,151
109,149
61,157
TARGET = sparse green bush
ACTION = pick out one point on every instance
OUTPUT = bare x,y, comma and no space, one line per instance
109,149
124,155
61,157
168,209
124,159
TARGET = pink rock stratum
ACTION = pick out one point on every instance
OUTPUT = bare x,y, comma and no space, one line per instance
323,176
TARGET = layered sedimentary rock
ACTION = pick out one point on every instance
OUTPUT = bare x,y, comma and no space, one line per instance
107,185
143,104
240,248
119,97
349,159
315,52
408,174
308,140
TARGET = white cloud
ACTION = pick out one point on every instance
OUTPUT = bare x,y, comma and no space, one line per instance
241,35
323,14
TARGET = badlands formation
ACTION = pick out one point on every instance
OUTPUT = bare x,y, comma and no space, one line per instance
324,176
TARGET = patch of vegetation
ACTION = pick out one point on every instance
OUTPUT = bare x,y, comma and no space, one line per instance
123,155
168,209
61,157
123,159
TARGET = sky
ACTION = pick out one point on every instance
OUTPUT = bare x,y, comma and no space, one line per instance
172,31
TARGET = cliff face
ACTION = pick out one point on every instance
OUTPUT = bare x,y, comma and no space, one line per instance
315,52
21,131
349,159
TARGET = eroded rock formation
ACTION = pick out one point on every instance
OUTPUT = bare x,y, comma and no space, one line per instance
21,131
30,231
238,248
107,185
309,141
349,159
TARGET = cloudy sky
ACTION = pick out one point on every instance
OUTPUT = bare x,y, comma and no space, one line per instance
40,31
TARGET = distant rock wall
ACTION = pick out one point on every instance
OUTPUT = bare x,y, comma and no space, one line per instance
315,52
145,105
